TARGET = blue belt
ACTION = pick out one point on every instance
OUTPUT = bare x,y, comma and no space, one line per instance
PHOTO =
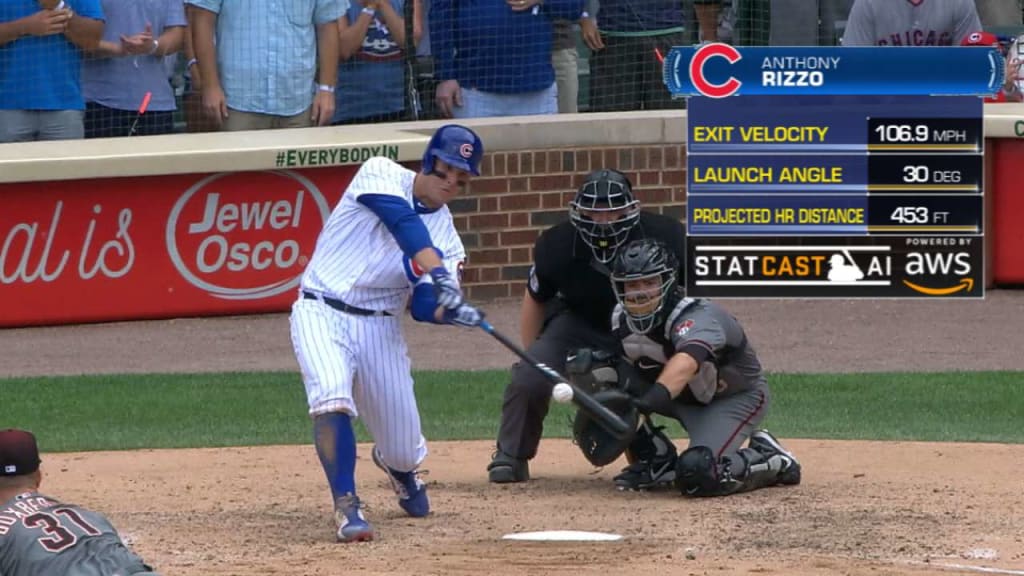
342,307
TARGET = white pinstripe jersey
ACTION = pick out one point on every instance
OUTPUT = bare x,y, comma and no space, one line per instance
358,261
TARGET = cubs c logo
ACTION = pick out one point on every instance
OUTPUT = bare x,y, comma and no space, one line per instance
700,58
974,38
466,150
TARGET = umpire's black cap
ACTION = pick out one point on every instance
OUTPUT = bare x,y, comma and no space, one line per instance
19,454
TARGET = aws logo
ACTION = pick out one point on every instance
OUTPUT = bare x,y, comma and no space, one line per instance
935,264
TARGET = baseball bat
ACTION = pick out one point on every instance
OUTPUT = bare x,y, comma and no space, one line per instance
608,420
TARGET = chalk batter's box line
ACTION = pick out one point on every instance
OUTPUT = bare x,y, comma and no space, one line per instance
811,248
792,283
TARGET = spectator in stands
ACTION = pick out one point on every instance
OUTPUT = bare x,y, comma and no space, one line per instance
258,61
999,12
128,64
901,23
493,57
751,22
196,119
1011,91
565,61
371,74
707,18
424,85
40,66
630,39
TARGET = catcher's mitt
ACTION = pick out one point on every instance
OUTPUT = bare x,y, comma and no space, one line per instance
599,446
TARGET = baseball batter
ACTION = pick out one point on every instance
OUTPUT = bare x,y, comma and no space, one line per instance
391,225
42,536
910,22
691,360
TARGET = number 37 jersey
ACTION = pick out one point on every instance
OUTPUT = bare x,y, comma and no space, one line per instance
40,536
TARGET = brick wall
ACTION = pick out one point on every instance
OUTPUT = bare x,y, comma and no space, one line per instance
520,194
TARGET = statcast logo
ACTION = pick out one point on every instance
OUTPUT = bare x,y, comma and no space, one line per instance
245,236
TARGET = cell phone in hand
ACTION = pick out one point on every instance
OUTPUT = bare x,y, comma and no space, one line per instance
1019,46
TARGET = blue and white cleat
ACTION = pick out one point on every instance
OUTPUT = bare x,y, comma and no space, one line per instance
348,515
411,491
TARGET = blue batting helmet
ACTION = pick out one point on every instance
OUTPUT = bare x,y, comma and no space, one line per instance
458,146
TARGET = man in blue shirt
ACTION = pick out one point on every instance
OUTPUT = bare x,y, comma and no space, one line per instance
40,62
259,61
493,57
129,65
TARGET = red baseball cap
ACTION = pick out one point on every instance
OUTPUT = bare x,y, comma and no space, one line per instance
980,39
19,454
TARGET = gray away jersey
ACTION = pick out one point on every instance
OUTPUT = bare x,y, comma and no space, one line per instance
732,367
40,536
910,23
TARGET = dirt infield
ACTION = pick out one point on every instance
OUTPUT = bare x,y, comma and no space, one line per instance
863,509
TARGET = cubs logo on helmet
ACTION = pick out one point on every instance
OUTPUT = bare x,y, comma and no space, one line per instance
455,145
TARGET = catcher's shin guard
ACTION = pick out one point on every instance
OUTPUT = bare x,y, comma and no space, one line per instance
699,473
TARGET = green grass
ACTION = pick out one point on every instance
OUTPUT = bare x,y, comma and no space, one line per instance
116,412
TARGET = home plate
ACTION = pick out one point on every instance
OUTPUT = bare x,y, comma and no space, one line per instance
563,536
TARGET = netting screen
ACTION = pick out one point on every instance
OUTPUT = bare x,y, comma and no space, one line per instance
102,68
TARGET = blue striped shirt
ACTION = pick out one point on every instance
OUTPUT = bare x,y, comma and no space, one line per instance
267,51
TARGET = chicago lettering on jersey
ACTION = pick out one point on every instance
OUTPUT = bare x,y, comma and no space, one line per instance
917,37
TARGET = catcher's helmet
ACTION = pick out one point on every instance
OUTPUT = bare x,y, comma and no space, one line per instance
602,193
639,261
457,145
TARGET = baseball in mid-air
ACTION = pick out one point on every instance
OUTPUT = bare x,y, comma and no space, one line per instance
562,393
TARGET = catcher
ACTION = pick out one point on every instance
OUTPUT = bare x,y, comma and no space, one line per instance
684,358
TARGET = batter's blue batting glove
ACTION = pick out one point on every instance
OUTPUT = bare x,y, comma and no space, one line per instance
447,289
464,315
